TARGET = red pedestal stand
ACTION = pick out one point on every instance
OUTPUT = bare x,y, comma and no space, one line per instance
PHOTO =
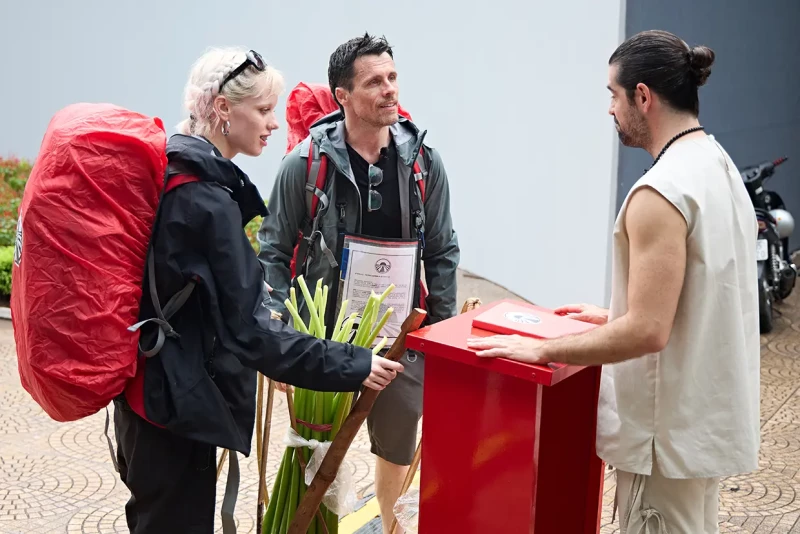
507,447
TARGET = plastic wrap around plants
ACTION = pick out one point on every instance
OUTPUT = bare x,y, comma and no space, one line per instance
340,498
406,510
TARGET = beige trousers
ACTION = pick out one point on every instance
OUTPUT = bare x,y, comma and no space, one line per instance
657,505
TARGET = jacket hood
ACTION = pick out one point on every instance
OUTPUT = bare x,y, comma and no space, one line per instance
329,133
199,157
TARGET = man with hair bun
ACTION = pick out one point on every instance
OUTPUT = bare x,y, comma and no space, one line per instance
679,399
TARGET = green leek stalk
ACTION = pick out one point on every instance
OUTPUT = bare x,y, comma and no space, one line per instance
319,408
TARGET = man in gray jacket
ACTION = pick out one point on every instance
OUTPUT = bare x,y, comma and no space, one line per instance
383,183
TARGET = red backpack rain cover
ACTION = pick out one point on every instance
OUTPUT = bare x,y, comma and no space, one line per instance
84,230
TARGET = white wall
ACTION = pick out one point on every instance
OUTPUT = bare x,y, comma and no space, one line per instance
512,93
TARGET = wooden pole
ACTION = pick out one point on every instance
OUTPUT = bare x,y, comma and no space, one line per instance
221,462
263,429
333,459
263,452
471,304
259,415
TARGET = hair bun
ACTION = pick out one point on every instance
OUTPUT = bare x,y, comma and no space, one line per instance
700,60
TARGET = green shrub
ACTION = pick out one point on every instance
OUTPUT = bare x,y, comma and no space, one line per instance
13,177
251,229
6,261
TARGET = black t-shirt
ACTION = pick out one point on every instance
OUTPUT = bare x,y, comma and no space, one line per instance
385,222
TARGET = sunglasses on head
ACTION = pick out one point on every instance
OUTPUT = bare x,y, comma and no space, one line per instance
253,59
374,200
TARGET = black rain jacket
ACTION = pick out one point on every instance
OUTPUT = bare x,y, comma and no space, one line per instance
202,384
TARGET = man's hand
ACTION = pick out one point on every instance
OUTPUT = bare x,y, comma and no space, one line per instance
588,313
520,348
383,372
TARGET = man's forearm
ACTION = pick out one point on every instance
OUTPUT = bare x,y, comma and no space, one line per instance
617,341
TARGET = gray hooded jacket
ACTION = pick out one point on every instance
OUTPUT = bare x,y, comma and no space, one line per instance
287,203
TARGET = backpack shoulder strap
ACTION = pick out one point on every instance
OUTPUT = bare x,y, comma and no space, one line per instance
420,172
176,175
178,180
316,174
177,300
417,201
163,315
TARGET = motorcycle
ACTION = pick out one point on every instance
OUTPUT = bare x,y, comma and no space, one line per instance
776,272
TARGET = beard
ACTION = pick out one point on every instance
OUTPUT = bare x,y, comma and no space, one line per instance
635,134
375,117
382,118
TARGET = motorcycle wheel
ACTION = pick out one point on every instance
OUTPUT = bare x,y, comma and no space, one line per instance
764,306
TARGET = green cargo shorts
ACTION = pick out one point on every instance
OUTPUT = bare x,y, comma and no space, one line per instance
392,423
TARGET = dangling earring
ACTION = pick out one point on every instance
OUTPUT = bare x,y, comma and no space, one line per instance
226,128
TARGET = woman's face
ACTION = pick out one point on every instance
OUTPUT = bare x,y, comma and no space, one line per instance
252,121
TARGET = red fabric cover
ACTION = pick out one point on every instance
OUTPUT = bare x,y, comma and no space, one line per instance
305,105
85,223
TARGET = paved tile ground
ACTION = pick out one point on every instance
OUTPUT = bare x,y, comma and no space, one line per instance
58,478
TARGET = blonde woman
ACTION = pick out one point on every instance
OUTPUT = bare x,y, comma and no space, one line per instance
198,392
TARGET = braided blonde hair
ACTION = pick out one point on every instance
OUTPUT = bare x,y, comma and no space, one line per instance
207,75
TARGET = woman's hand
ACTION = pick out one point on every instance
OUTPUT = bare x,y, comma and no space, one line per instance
383,372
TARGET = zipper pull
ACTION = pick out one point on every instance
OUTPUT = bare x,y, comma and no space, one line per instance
341,212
